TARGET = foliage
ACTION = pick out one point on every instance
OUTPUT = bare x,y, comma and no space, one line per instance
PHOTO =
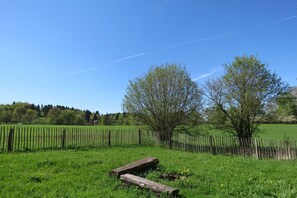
18,113
163,99
286,105
243,93
27,113
88,116
29,116
84,173
54,115
215,116
105,120
285,110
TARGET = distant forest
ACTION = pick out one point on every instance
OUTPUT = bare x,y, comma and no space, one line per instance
26,113
282,110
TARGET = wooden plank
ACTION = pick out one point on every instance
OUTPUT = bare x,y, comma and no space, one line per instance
4,139
148,184
109,138
1,129
149,162
10,140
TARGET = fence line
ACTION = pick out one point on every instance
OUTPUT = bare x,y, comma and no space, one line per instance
27,138
23,138
223,145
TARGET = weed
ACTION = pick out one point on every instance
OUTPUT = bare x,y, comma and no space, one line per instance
46,162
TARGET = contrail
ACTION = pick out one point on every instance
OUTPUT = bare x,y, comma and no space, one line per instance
177,45
285,19
149,52
122,59
165,3
212,72
190,42
278,21
83,71
106,65
217,69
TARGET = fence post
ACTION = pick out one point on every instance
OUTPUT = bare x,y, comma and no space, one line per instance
139,137
109,138
212,150
10,140
256,149
63,138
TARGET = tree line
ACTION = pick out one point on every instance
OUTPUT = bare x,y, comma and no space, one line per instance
27,113
247,94
167,100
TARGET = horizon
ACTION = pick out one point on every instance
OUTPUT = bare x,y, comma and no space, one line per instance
82,55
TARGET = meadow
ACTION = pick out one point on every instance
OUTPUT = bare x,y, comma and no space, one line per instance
266,131
85,173
276,140
278,131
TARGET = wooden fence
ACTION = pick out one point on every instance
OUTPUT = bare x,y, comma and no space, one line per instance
23,138
27,138
224,145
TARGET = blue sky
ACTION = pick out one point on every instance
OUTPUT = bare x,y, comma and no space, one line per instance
83,53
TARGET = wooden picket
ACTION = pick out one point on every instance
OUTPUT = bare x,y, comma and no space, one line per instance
26,138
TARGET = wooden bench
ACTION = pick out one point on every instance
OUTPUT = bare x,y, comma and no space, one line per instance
148,184
149,162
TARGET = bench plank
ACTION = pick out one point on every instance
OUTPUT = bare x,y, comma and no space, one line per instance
148,184
149,162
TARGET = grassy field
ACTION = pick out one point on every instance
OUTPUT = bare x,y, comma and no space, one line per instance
84,173
267,131
278,131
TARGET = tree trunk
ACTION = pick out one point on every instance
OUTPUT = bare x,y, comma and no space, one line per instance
165,138
246,146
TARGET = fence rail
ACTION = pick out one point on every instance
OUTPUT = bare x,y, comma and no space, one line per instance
27,138
223,145
23,138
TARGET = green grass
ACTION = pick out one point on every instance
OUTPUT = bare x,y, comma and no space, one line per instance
278,131
266,131
84,173
32,137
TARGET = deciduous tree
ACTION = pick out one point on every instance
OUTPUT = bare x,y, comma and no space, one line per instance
243,93
29,116
18,113
163,99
